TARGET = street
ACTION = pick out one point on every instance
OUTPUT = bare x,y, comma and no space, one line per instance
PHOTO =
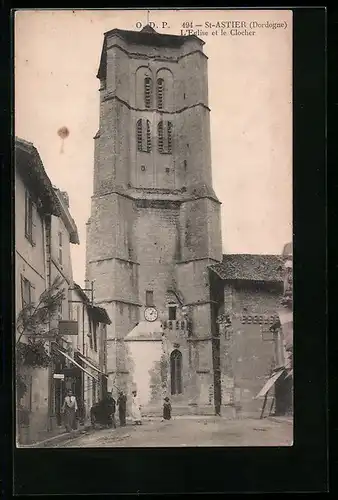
188,431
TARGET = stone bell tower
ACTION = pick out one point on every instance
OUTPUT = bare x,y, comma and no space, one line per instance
155,219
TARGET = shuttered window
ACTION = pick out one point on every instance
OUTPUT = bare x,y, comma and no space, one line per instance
27,292
148,91
30,217
165,137
160,93
143,135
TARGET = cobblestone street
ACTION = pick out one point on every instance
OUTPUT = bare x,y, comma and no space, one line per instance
189,432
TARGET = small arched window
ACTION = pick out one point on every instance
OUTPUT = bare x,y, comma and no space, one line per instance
143,135
148,92
164,136
160,93
176,372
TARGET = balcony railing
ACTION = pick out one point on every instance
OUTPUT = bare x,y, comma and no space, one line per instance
176,326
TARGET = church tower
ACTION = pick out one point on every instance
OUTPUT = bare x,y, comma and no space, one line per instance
155,220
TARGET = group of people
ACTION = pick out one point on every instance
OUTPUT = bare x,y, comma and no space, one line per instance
104,412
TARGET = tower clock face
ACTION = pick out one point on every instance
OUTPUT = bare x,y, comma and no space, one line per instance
150,314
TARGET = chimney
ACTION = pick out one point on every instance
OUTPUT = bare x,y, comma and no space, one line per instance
65,197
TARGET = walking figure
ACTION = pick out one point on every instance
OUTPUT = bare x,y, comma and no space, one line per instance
110,407
69,410
122,404
136,409
167,409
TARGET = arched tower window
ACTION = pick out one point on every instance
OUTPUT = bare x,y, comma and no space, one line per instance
160,93
143,135
164,135
176,372
148,92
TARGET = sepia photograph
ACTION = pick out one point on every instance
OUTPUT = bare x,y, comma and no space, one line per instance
153,228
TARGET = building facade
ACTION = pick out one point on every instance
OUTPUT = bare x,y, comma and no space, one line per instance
44,233
35,203
155,227
248,290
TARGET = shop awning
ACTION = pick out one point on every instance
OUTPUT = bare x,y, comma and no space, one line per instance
75,363
272,380
85,360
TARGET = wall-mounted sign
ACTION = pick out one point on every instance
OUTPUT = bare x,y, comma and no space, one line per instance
59,376
67,327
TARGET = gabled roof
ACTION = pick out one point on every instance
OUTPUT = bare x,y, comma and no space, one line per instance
147,36
67,218
31,169
250,267
98,313
146,330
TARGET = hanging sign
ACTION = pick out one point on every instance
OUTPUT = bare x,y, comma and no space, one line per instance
59,376
67,327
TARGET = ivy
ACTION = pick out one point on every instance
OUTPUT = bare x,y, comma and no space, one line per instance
33,322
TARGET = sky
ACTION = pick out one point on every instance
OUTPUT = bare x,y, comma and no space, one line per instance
57,55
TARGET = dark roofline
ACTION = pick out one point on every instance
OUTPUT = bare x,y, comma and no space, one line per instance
98,313
34,174
262,268
143,37
153,36
67,219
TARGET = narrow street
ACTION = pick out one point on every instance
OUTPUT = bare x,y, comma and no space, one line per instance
188,432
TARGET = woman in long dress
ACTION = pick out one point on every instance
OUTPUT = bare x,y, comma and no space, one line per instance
136,409
69,410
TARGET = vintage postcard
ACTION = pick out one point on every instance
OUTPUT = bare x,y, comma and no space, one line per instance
153,228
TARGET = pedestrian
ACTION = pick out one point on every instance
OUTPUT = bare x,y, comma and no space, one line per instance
166,409
69,410
136,409
122,404
110,407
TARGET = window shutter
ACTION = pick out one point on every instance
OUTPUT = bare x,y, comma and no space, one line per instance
22,292
139,134
34,223
160,91
32,293
144,134
169,136
148,137
26,212
160,136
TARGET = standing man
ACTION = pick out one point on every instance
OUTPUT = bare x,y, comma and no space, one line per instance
136,409
122,403
69,410
110,405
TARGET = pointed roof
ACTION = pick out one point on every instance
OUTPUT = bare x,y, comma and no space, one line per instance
148,29
146,330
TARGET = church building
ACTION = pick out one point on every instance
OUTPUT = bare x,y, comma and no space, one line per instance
155,227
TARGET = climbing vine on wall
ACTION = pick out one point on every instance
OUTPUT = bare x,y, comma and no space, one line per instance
33,324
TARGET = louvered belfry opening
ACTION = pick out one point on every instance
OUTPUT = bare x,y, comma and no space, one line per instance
143,135
160,93
148,92
164,134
